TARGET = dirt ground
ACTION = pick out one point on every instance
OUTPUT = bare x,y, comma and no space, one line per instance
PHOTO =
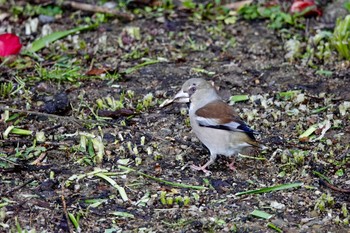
40,193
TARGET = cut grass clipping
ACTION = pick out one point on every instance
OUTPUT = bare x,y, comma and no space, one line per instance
272,226
270,189
103,174
261,214
238,98
120,189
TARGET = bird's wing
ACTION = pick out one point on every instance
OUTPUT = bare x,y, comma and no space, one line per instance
220,115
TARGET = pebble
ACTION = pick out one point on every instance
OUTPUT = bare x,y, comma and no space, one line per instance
277,205
44,19
110,5
184,147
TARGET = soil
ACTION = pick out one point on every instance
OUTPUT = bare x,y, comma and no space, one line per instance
40,195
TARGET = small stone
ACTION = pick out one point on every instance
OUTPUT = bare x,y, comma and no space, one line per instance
277,205
44,19
184,147
110,5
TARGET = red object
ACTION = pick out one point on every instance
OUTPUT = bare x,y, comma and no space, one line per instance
299,6
9,44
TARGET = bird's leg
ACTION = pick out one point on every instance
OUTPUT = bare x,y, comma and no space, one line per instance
231,165
203,168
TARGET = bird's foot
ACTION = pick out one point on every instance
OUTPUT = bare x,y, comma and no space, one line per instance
201,168
231,166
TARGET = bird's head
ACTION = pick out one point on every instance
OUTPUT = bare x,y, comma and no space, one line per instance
192,89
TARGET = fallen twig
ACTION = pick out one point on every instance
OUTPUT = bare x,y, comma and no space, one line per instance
19,187
65,210
38,160
329,185
99,9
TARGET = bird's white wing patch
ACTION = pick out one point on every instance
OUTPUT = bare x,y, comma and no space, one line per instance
214,123
233,125
207,121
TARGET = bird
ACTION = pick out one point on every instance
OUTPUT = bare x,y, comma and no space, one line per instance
215,122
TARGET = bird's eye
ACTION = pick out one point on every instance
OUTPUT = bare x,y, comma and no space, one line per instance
192,90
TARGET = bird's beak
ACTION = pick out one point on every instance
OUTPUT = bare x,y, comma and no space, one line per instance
180,97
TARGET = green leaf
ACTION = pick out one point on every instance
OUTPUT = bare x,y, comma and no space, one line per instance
287,94
3,204
230,20
44,41
94,203
325,125
327,73
261,214
347,6
340,172
341,37
270,189
309,131
189,4
238,98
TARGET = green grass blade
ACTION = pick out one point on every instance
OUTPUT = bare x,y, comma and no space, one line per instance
309,131
139,66
44,41
238,98
18,225
318,110
74,220
322,176
272,226
270,189
261,214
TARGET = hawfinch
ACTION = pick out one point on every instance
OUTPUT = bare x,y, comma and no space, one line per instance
214,122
